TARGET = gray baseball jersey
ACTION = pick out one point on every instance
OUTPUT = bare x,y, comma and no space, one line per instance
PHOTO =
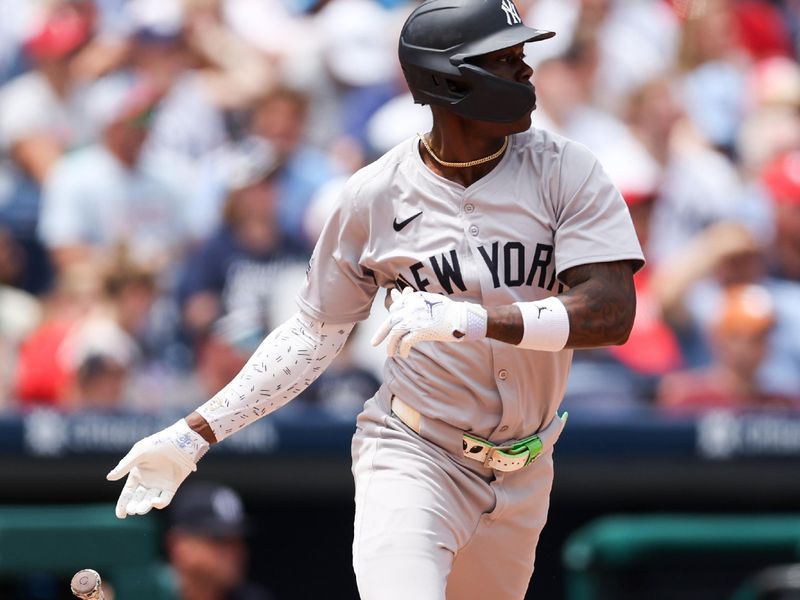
547,206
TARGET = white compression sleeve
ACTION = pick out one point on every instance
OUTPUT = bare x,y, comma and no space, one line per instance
285,363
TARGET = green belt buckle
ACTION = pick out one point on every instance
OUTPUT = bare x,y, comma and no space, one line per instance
532,444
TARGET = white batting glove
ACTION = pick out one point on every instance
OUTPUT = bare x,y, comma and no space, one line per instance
156,466
424,317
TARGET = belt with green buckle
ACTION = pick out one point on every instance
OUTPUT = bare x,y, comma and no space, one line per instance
501,457
504,457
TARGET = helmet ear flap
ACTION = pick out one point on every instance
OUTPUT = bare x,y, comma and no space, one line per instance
427,85
458,89
454,89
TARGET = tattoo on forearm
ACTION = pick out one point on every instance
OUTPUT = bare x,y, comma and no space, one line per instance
504,323
601,303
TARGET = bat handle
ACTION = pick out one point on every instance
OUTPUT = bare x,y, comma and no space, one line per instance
86,585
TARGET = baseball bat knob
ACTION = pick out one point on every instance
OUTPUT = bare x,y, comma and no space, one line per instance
86,584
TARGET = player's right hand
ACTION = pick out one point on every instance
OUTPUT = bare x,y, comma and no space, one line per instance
155,467
416,317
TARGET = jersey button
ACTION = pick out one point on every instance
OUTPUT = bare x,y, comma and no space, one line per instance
469,208
474,230
502,374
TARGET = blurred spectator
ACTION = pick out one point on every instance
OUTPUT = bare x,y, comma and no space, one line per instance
99,357
399,117
206,545
558,94
395,121
739,336
782,181
228,282
199,71
727,253
342,389
714,67
690,287
775,82
132,291
103,197
699,187
565,87
44,373
637,41
281,29
14,264
359,64
689,283
42,110
186,124
16,22
99,383
102,345
42,114
158,377
761,29
772,127
20,313
572,19
652,349
280,118
157,372
230,287
217,361
186,52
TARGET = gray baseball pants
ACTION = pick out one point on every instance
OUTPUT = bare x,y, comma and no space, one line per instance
431,524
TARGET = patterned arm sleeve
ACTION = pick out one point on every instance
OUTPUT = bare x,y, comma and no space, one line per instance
287,362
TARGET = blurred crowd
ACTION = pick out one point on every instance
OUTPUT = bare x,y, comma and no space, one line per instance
166,167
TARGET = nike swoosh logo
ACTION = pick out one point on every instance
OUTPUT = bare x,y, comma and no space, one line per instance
399,226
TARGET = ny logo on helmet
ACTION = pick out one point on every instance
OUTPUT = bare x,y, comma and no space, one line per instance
512,16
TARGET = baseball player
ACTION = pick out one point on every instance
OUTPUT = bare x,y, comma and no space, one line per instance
511,247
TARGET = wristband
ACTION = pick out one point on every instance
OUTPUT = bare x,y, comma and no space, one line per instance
190,443
476,321
546,324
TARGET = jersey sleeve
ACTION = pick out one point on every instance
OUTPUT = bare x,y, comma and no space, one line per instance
592,220
337,288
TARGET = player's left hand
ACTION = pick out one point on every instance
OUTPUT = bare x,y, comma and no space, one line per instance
423,317
156,466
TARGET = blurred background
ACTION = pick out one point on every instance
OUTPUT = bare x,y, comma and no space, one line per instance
165,169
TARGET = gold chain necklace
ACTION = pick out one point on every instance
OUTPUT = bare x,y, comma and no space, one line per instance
471,163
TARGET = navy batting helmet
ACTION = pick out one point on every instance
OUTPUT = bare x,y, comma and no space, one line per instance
437,42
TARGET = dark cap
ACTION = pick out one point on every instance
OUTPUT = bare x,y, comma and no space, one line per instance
208,509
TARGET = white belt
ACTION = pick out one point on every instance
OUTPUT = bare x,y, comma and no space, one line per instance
505,457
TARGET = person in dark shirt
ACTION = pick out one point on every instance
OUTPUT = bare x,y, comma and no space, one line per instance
340,390
206,545
225,283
